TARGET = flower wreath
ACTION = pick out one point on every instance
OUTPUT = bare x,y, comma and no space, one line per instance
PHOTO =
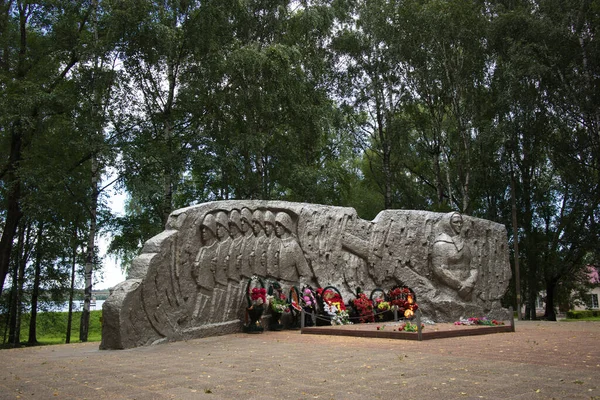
404,300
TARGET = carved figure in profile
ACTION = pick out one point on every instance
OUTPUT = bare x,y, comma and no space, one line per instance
272,245
259,255
292,262
223,250
224,240
249,243
451,257
205,264
237,242
232,299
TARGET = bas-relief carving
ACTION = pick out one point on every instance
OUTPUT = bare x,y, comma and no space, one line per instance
451,257
190,281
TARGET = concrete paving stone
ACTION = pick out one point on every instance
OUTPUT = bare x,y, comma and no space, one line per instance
541,360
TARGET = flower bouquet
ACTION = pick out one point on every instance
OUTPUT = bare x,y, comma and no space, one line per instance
294,307
404,300
308,304
405,327
278,305
364,308
381,307
333,309
256,296
479,321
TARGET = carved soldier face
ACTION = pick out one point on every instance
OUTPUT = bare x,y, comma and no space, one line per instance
256,227
222,232
456,223
280,230
235,231
245,225
268,229
206,234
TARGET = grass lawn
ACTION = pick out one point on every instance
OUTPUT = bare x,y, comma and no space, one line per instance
52,327
581,319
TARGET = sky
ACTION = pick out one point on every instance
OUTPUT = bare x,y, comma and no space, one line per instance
111,268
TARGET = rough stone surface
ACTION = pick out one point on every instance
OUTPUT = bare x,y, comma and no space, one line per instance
190,280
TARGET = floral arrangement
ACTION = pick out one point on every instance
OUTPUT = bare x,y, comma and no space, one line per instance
479,321
295,306
403,299
364,307
278,303
308,299
338,316
333,306
383,305
331,297
406,327
258,296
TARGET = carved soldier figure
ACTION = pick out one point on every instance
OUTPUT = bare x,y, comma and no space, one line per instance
223,249
232,299
249,242
205,264
292,263
235,250
272,245
259,255
218,298
451,257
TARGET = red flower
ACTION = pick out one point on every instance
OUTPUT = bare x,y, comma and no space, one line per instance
364,306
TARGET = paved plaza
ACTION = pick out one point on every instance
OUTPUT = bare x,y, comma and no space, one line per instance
541,360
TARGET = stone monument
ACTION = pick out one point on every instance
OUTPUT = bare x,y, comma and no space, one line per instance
190,280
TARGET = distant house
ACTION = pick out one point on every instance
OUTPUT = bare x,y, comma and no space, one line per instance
594,293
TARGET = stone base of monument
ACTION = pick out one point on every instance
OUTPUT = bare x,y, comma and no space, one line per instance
390,330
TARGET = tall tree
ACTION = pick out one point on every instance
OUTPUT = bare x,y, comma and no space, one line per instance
41,45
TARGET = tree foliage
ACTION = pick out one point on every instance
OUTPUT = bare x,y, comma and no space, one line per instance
426,104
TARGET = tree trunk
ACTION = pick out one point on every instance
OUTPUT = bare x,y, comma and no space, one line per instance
439,181
13,336
32,340
22,262
13,209
12,180
533,292
18,282
168,137
387,175
550,314
513,201
91,254
72,288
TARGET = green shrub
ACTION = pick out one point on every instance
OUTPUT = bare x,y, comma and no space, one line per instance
581,314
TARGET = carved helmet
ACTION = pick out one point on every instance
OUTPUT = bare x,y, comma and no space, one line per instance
235,218
246,215
270,218
210,223
257,216
284,219
223,220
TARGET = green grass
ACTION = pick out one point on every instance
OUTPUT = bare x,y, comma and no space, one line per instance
581,319
52,327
